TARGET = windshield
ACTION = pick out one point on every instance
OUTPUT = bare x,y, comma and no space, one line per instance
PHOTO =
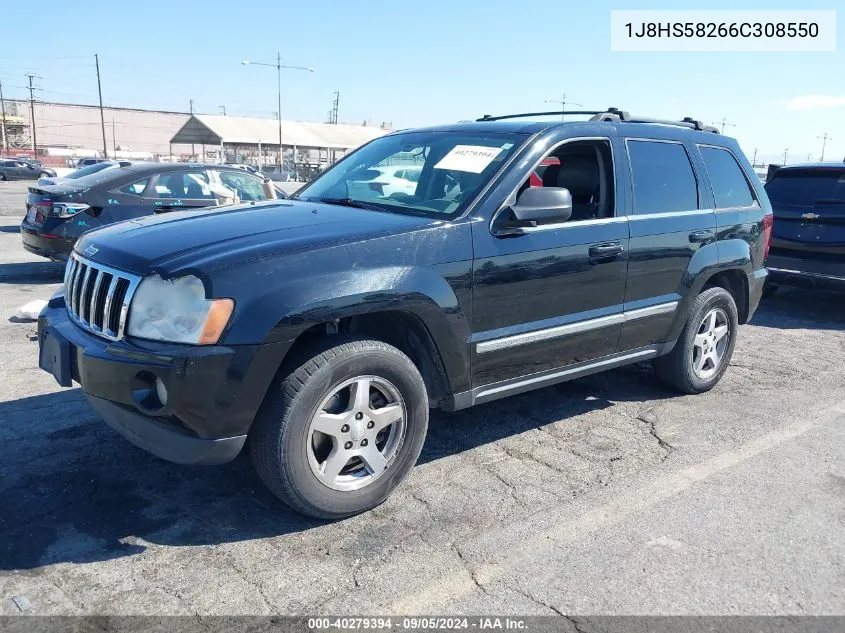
91,169
436,174
806,187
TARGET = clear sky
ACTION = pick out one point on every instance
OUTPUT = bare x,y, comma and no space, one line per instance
418,63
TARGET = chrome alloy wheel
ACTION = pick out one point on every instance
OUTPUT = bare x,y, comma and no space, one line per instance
356,432
711,343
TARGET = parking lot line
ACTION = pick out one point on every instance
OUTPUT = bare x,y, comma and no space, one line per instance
567,530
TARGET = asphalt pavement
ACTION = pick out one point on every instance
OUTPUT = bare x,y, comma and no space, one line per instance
607,495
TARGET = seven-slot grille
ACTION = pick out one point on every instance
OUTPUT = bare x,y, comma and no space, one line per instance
97,296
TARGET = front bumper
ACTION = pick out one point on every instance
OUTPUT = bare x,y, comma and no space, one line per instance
213,392
57,248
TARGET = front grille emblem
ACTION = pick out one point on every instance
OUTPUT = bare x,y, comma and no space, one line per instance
90,250
810,216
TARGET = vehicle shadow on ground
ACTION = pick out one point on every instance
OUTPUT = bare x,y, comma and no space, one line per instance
10,228
72,490
32,273
797,308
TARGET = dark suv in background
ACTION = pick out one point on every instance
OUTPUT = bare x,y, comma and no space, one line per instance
56,215
808,244
323,328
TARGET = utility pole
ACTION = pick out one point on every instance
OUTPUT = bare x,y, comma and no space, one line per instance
102,117
335,107
724,123
32,116
192,114
809,156
279,113
754,160
3,121
824,139
562,101
278,66
785,154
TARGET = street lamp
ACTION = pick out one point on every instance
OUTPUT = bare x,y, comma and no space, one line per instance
278,66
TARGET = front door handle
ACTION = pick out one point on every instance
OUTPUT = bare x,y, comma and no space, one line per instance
696,237
606,250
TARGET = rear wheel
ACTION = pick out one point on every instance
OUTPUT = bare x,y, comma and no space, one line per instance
2,177
342,430
706,344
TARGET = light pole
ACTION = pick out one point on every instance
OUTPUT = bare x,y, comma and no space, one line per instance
562,101
278,66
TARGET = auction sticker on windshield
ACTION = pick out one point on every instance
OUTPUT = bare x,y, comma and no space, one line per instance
471,158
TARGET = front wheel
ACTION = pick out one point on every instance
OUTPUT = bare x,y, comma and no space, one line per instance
335,436
706,344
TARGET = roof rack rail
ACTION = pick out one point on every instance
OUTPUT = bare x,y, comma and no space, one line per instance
613,115
521,115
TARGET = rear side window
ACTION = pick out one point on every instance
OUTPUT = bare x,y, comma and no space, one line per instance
807,187
183,184
135,188
730,188
662,176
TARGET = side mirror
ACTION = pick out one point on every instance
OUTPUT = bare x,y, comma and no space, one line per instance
543,205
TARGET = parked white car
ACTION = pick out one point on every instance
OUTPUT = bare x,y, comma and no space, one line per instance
385,181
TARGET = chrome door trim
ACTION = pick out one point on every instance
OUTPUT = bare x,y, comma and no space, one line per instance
559,331
497,391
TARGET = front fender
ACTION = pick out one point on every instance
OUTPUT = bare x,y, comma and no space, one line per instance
429,293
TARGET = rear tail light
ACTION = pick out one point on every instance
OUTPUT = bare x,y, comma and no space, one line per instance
67,209
768,221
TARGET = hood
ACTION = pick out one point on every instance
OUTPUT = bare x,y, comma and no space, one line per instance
206,239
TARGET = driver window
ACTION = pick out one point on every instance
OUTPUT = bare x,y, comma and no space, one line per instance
585,168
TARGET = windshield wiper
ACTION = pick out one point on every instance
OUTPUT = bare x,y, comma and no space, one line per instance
350,202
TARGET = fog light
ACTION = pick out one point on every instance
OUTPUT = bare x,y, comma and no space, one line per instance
161,392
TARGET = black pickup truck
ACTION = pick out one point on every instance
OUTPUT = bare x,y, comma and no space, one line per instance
323,328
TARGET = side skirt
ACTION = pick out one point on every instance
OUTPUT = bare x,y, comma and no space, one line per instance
521,384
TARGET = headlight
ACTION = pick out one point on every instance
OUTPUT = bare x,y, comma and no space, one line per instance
177,311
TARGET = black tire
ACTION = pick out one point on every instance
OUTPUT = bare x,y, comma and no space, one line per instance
279,439
44,174
2,177
676,368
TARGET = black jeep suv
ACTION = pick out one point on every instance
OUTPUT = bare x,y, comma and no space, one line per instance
322,328
808,243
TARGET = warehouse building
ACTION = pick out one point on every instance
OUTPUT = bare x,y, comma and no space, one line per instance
66,131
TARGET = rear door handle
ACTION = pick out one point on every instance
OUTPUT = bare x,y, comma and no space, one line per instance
606,250
697,237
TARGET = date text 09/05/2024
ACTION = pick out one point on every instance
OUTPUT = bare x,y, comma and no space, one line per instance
417,623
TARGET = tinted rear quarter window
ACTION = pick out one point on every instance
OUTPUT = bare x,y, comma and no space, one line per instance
730,188
662,176
806,187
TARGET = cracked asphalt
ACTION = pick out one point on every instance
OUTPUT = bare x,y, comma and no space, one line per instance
607,495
